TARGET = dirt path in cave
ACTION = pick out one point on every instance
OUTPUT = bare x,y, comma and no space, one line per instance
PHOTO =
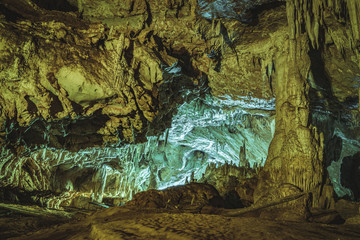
125,223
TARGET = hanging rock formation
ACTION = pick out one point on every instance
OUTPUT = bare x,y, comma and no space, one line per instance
112,64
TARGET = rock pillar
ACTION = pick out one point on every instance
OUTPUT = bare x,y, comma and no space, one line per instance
295,160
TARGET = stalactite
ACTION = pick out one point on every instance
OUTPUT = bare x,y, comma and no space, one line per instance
310,14
166,136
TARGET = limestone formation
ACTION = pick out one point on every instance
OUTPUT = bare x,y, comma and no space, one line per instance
190,197
299,143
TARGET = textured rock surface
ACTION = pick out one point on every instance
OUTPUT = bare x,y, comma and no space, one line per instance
235,184
170,159
76,69
80,70
192,196
296,154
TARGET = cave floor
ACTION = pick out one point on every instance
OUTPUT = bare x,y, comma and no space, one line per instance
128,223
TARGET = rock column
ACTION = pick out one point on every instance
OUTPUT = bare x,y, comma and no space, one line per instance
295,160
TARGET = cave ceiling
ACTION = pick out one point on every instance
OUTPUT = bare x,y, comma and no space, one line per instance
108,62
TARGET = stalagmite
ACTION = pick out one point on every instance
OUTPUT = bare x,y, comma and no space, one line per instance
242,155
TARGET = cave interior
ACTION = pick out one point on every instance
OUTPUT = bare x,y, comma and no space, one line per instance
179,119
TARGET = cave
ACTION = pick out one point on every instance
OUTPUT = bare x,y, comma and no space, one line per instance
179,119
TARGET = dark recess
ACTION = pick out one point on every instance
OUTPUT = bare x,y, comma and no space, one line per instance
70,134
251,16
58,5
10,15
56,105
350,175
184,60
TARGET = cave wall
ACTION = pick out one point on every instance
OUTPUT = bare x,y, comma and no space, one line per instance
78,69
60,66
204,148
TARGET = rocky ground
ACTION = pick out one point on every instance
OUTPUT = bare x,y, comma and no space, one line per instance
129,223
191,211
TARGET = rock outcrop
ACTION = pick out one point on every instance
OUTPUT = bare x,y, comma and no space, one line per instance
190,197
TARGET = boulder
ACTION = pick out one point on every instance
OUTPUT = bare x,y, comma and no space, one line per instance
192,196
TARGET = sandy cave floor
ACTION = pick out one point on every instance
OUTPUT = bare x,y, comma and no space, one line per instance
128,223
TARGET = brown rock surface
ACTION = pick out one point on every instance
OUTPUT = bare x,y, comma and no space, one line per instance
297,144
192,196
55,67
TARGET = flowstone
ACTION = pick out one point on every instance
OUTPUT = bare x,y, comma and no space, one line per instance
212,132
